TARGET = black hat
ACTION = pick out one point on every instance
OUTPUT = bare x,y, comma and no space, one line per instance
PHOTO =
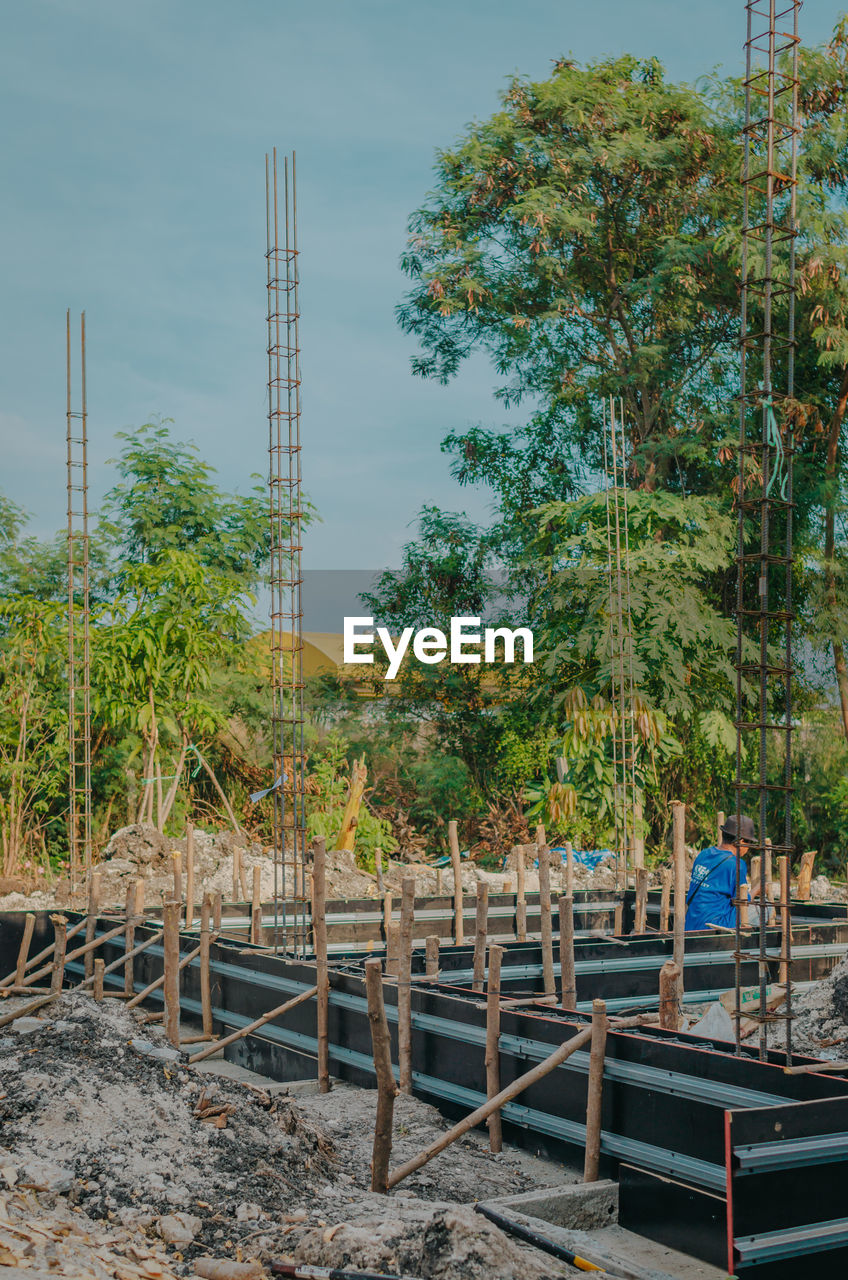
746,829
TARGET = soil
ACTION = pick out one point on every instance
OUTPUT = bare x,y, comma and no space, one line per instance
103,1125
820,1017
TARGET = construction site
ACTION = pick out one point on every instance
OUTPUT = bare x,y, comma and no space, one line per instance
287,1020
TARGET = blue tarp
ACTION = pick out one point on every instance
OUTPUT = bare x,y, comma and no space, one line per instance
590,858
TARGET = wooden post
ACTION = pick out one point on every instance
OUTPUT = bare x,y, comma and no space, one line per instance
785,918
542,1069
755,879
431,961
768,872
386,1087
99,966
322,971
520,896
139,897
236,873
481,936
669,1001
678,818
171,921
568,977
378,868
60,946
805,874
641,915
23,951
388,906
217,906
129,938
618,919
439,881
595,1094
205,973
638,842
720,821
393,949
569,869
404,996
189,910
91,919
665,899
458,924
245,887
177,862
541,838
744,891
256,907
545,916
493,1033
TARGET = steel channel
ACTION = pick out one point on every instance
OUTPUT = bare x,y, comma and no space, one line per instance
771,1246
761,1157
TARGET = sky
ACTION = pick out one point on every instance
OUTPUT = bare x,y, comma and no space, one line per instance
132,162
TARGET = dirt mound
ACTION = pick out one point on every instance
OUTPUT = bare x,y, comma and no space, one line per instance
820,1016
95,1112
445,1243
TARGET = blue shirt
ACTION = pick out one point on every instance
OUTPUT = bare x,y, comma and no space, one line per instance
713,888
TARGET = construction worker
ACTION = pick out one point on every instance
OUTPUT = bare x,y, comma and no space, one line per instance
713,886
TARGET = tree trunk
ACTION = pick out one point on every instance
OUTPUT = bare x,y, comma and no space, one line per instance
831,496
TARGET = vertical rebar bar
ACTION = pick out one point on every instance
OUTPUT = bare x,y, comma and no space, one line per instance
285,511
764,498
79,619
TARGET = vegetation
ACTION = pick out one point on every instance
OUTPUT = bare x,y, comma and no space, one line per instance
585,239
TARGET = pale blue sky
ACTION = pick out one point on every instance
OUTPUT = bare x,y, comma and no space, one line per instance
132,163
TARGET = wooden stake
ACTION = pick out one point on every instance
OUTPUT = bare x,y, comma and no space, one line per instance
720,821
404,997
805,874
555,1059
388,907
678,818
60,945
189,911
386,1087
665,899
594,1096
322,971
217,907
520,896
493,1033
785,918
431,961
669,998
458,924
91,919
768,872
177,863
254,1026
129,938
256,907
139,897
393,949
481,935
171,921
99,966
236,873
641,915
378,868
568,977
569,869
23,951
205,972
245,887
545,917
618,918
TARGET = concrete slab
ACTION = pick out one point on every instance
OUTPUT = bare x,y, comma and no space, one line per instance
585,1206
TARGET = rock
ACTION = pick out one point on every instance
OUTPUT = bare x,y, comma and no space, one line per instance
162,1053
248,1212
23,1026
716,1024
137,845
178,1228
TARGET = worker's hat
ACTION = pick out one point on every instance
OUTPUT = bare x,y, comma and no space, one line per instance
746,830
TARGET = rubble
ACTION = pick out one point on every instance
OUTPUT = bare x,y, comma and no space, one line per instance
820,1017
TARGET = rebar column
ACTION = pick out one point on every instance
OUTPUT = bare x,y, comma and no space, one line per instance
79,617
766,445
286,579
